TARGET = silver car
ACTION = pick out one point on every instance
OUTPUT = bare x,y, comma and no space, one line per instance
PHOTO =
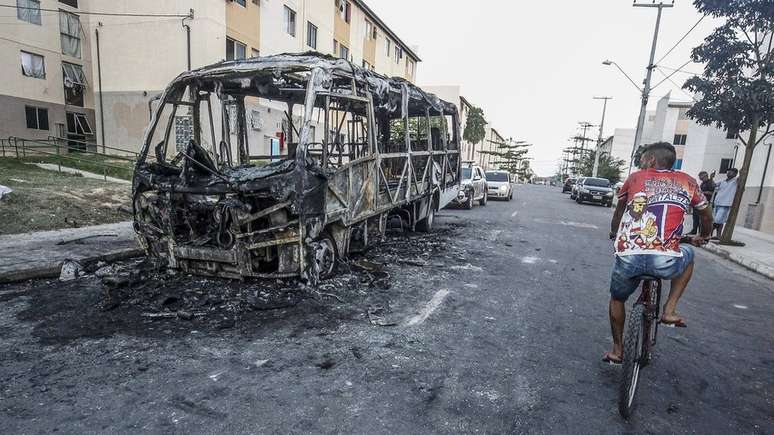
499,185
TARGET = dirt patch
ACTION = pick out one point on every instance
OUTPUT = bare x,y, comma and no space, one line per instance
49,200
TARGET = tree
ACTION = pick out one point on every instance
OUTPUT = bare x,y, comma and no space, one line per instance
609,167
475,128
509,155
736,92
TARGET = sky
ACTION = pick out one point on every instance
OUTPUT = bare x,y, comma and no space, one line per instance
534,67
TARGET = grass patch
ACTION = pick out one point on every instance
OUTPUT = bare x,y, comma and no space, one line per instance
49,200
101,164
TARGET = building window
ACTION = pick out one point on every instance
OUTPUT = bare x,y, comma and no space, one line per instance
33,65
369,29
344,52
71,3
235,50
398,54
680,139
290,21
74,83
389,48
37,117
731,134
311,35
242,3
255,53
70,34
410,68
335,47
725,165
344,9
28,10
682,114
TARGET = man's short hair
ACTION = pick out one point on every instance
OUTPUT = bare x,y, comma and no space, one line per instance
734,170
663,152
703,173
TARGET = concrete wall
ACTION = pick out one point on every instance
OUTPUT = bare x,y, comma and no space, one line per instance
140,56
243,23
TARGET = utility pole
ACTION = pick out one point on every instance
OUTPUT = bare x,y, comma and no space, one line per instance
601,130
649,75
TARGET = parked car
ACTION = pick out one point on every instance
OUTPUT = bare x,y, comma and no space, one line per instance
499,185
597,190
473,186
568,183
574,190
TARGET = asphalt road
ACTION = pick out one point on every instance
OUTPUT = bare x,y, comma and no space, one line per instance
496,324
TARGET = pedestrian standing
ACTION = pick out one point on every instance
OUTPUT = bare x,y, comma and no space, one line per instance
708,189
724,198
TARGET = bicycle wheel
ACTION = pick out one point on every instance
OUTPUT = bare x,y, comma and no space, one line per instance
632,360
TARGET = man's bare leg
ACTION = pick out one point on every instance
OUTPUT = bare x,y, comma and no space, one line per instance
675,292
617,321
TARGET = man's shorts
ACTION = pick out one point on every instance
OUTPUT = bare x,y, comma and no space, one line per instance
624,280
720,214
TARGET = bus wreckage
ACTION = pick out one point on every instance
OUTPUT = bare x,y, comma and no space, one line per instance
360,149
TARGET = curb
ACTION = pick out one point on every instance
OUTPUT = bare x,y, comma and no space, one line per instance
762,269
52,270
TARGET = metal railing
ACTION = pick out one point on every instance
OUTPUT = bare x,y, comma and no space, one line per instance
67,150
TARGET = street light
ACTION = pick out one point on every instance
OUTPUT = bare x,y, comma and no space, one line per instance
610,62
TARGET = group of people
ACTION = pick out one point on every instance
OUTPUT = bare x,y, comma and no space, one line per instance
720,195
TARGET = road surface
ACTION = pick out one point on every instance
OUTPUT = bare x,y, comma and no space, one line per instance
495,324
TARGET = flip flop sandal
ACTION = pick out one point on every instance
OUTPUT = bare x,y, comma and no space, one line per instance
611,360
679,323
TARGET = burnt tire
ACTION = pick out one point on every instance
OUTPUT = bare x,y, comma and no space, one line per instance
632,361
426,224
326,255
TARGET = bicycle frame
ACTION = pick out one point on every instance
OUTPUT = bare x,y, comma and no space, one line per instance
650,298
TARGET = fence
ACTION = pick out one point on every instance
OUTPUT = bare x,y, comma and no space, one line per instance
68,152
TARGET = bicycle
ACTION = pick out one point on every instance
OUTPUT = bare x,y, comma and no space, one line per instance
640,338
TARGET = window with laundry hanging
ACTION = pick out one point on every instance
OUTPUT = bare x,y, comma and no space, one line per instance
74,83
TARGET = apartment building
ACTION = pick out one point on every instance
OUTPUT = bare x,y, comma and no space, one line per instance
48,85
94,74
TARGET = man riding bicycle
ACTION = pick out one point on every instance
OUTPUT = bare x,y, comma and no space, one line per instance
647,227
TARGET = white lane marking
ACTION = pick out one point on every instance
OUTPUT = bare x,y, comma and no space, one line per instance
216,375
580,225
567,223
515,213
431,306
530,260
741,307
261,362
468,267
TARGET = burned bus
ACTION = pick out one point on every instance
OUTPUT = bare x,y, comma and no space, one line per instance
360,149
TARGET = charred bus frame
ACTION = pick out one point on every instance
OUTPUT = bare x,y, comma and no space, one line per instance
387,148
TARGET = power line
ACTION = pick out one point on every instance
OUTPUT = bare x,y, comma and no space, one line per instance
103,14
679,70
676,85
681,39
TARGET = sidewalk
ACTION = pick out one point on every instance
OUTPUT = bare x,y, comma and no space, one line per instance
40,255
757,254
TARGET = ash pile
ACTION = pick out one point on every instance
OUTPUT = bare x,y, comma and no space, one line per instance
362,282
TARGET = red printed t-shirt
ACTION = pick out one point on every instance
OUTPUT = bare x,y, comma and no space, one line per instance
656,204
